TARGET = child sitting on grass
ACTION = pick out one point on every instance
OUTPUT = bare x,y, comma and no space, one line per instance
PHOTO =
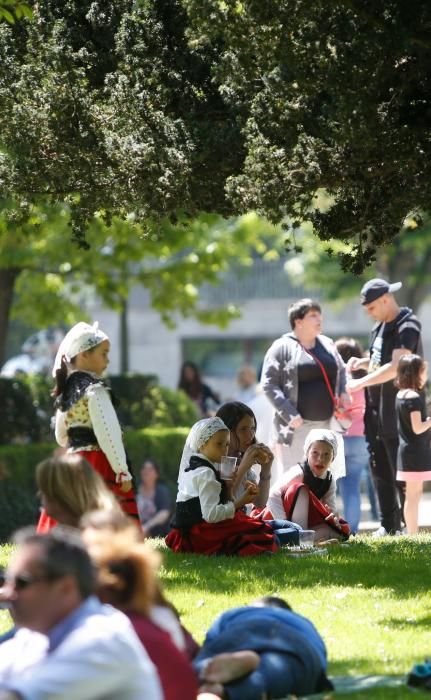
208,518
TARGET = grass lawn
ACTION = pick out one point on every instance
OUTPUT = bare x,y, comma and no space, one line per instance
370,600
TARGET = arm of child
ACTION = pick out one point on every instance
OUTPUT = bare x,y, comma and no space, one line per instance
329,498
419,426
60,429
209,496
108,431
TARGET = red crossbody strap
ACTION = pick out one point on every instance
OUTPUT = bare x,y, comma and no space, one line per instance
325,376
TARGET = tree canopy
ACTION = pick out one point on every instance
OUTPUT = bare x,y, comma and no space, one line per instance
166,107
45,278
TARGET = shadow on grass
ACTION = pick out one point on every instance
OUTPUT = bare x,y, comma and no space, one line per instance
396,564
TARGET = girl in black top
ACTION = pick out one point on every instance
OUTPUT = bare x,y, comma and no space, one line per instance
414,451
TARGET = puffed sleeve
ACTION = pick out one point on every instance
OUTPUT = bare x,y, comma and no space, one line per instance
330,497
209,496
275,499
107,430
61,429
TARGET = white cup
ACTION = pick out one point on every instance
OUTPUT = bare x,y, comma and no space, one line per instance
306,539
227,467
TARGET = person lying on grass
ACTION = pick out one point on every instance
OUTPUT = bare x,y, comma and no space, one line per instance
208,516
306,492
262,650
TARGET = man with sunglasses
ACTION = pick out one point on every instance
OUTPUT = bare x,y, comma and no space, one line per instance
68,645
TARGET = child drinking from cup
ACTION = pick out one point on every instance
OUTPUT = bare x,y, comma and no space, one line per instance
208,518
414,451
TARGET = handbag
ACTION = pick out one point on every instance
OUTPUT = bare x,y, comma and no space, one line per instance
341,419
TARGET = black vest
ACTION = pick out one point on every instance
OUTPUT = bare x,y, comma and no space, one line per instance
317,486
189,513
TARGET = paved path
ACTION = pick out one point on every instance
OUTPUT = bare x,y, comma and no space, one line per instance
368,524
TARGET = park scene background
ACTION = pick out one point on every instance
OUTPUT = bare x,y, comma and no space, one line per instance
181,172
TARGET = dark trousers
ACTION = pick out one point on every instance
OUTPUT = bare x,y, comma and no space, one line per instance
383,463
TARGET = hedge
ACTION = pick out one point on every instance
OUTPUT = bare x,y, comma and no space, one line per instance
19,504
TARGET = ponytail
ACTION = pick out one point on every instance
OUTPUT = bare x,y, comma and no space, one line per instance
60,378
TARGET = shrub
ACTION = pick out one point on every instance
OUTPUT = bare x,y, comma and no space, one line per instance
18,499
19,420
163,406
27,409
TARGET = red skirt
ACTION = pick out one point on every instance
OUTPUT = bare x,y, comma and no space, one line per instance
317,512
99,462
241,535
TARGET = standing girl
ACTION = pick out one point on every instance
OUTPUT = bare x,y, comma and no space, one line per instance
208,519
86,422
414,451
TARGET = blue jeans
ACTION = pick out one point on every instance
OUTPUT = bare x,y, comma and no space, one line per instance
356,454
285,531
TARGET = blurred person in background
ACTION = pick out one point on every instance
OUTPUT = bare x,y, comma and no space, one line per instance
247,382
154,501
355,445
201,394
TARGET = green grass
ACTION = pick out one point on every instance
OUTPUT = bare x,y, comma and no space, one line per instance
369,600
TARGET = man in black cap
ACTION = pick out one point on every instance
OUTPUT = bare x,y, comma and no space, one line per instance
396,332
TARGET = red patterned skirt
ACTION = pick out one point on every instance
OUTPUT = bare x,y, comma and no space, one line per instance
99,462
318,513
241,535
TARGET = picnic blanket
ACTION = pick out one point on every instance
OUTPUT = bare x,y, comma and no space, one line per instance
355,684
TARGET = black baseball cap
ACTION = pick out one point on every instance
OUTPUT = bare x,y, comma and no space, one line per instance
375,288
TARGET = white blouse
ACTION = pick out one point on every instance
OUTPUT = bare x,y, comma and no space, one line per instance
201,483
95,410
295,475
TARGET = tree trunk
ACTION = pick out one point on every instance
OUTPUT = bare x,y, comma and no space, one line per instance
8,277
124,338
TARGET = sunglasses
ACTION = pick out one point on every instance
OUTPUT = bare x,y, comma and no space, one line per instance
21,581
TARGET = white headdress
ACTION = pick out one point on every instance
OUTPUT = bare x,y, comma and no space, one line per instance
80,338
198,436
335,440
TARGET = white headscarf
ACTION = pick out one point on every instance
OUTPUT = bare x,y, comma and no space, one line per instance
338,466
197,437
80,338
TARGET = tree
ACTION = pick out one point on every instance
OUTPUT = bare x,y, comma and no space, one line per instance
315,265
173,107
330,95
109,108
46,278
12,10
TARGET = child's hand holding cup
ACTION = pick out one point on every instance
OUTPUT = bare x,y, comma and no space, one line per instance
227,468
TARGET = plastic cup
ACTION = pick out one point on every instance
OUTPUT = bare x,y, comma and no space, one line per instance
227,467
306,539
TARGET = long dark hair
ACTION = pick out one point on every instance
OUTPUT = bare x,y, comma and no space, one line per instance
409,372
232,413
192,387
349,347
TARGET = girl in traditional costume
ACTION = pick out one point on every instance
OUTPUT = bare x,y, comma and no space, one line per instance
86,422
208,518
305,493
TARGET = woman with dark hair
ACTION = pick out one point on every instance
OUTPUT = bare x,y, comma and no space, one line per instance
154,501
201,394
241,421
304,378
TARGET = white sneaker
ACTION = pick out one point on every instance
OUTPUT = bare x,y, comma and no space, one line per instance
382,532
